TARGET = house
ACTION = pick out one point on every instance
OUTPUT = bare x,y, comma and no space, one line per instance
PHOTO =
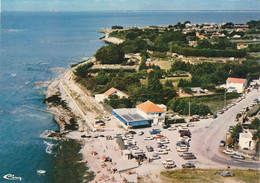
239,47
111,91
236,84
245,140
144,114
151,112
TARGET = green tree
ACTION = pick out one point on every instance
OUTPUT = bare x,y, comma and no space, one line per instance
111,54
83,70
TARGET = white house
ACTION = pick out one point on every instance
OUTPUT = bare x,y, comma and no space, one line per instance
151,112
111,91
236,84
245,140
144,114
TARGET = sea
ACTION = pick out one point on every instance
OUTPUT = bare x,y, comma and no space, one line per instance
33,45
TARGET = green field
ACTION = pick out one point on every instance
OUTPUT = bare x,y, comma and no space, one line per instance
205,176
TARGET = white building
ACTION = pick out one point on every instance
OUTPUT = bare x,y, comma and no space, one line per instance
111,91
236,84
151,112
245,140
144,114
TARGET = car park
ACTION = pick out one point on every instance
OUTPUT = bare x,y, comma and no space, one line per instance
188,165
222,143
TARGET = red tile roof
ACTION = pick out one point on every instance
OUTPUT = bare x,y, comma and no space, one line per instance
112,90
236,80
150,107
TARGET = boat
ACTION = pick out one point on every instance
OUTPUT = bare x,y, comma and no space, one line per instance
41,172
12,177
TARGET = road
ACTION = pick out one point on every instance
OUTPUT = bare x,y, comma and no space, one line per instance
207,135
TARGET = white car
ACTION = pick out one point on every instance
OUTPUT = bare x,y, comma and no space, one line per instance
161,152
168,162
155,156
171,128
162,141
148,138
182,149
229,152
140,133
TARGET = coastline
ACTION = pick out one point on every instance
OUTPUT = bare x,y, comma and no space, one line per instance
81,106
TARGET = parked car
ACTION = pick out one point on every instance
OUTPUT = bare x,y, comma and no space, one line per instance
222,143
226,151
169,166
226,174
148,138
214,116
162,146
188,165
168,162
171,128
149,148
185,133
140,133
161,152
231,128
185,153
237,156
183,143
182,149
155,156
189,156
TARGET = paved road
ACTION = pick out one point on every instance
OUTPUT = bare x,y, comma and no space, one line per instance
207,135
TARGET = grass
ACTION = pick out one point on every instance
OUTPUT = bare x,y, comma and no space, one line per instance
209,175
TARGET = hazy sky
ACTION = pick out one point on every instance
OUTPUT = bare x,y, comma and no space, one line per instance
92,5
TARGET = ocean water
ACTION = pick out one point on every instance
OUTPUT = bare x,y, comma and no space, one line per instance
32,44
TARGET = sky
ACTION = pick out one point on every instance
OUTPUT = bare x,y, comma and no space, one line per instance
93,5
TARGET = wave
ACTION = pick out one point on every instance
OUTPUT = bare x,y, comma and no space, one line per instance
11,30
49,148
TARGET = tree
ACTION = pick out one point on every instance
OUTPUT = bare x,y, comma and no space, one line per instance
235,133
111,54
154,83
82,70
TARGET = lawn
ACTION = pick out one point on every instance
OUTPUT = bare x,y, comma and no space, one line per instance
209,175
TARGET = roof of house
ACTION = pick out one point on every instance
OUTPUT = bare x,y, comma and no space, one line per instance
112,90
150,107
236,80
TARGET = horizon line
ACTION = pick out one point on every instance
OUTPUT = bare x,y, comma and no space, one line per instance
53,11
